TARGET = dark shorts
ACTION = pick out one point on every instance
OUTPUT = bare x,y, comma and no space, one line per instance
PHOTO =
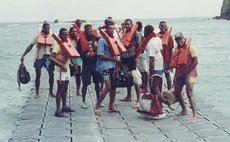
87,72
44,62
129,62
72,71
181,80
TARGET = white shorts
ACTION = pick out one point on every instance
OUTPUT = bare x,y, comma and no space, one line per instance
143,65
62,76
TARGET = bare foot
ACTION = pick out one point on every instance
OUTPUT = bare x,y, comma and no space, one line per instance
193,120
78,94
36,96
136,105
182,113
52,94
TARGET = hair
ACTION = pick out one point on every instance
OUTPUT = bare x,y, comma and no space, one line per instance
149,29
139,25
78,20
45,24
71,28
129,20
108,21
62,30
162,22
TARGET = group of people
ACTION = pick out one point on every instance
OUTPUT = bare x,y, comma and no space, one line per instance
150,53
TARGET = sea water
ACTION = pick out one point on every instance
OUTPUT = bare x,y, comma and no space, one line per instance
211,38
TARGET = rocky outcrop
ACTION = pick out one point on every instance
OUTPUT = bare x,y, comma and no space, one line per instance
225,11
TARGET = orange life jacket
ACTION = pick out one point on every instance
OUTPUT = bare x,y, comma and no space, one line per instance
84,43
126,37
180,55
67,47
165,37
44,40
115,45
143,45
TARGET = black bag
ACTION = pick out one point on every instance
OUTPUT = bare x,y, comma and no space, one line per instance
23,76
122,77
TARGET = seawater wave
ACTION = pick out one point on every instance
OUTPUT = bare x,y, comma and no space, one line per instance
209,37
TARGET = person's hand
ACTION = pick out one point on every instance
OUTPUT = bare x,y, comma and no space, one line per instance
118,62
63,68
22,59
90,54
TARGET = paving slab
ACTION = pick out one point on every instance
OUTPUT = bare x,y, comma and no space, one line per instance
37,122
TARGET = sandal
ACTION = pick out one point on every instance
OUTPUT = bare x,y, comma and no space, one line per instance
59,114
67,109
113,110
125,99
97,111
182,113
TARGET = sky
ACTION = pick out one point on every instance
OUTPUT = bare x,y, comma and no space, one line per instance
69,10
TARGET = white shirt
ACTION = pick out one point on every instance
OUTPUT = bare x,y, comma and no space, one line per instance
154,48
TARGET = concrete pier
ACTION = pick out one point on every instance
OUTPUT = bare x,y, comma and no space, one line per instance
37,122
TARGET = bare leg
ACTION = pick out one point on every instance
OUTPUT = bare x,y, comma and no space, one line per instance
78,84
169,81
192,101
84,91
37,81
178,90
51,83
64,93
59,96
104,92
97,89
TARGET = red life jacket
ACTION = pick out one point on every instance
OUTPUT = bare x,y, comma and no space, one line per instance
115,45
126,37
85,45
67,47
44,40
165,37
143,45
167,43
180,55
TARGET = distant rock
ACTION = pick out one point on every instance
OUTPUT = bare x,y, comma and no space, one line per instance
56,21
225,11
